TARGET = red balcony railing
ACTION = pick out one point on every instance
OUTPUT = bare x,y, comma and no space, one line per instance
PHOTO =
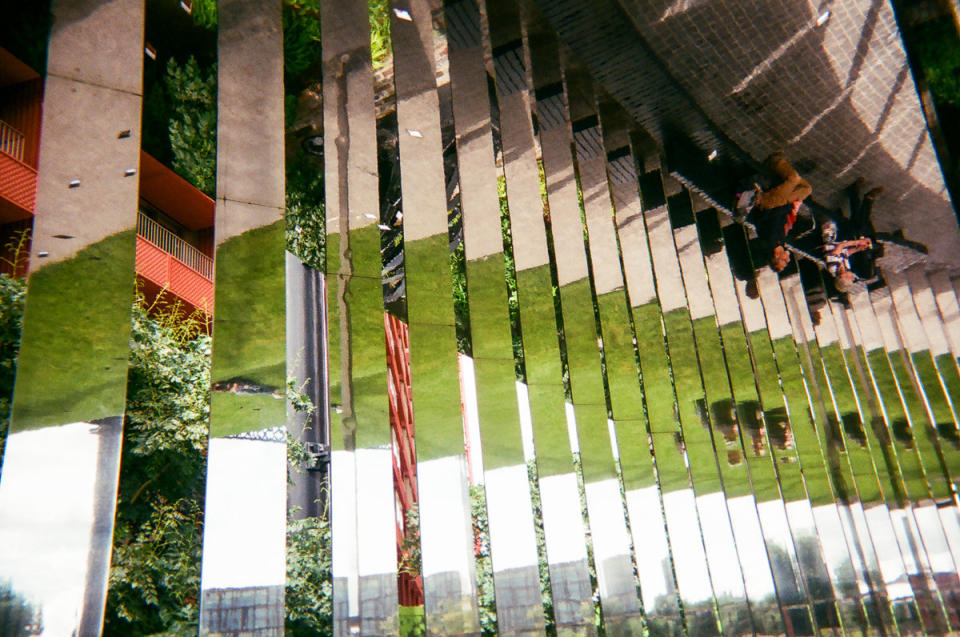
12,141
18,182
169,242
171,263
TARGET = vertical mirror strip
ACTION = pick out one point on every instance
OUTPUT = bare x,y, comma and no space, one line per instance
944,361
563,528
742,334
806,460
894,477
800,317
670,373
430,197
731,447
586,417
848,392
244,568
913,482
851,570
362,489
62,452
628,403
922,357
788,428
926,479
513,546
946,299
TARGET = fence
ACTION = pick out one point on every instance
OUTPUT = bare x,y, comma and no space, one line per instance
12,141
174,245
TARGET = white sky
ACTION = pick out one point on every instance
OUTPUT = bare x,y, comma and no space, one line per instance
46,513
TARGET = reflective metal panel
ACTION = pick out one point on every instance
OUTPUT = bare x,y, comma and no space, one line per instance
593,437
512,541
842,548
680,356
246,481
429,190
734,410
923,421
945,362
868,448
802,437
616,339
946,299
62,455
243,561
750,364
917,345
541,353
922,474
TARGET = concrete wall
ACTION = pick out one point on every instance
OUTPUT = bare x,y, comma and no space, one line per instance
838,97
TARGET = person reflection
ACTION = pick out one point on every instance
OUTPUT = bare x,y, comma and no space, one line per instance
725,421
778,427
901,431
853,428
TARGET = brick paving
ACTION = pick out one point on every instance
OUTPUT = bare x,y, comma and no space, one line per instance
752,77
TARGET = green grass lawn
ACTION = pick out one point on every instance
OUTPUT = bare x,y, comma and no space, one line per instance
775,416
870,472
740,369
541,352
493,361
249,327
659,392
363,315
590,407
807,443
929,442
826,423
76,337
433,348
917,458
718,399
691,399
929,377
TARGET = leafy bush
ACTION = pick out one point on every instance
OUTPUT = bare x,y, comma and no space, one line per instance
192,92
305,217
938,47
309,597
158,539
155,574
12,295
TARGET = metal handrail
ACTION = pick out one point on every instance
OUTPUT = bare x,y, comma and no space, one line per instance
12,141
174,245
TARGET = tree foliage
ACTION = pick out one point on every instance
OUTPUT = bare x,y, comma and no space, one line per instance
155,575
193,122
158,538
12,294
305,220
205,13
938,47
309,595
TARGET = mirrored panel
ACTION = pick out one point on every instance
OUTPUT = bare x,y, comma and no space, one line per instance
616,338
248,410
538,314
513,548
355,173
65,433
425,136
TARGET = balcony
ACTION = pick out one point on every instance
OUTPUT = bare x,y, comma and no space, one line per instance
18,181
167,262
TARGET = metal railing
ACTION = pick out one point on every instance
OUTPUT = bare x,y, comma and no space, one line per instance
174,245
12,141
